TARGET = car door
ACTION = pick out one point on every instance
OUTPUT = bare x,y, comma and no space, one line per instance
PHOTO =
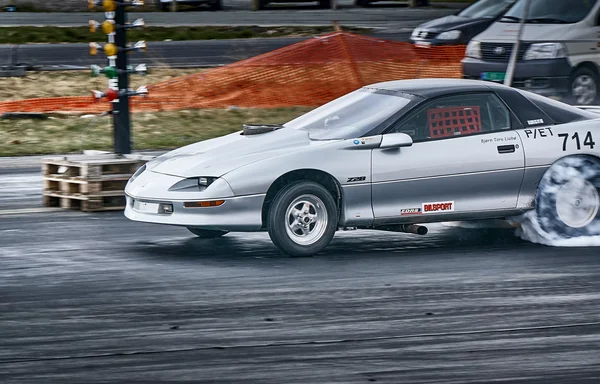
465,158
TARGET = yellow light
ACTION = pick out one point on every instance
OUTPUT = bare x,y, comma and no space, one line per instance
93,26
109,5
108,27
203,204
110,49
93,49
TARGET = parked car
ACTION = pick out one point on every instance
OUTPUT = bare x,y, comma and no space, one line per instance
366,3
167,5
559,54
260,4
461,27
388,156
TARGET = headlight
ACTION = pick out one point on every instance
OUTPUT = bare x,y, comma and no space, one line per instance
545,51
415,32
474,49
193,184
139,171
450,35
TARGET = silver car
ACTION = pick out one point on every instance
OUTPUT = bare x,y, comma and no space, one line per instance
389,156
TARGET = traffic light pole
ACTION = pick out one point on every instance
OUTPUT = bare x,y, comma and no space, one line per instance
121,114
115,27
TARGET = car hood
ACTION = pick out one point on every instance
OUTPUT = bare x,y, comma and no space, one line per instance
218,156
507,32
448,23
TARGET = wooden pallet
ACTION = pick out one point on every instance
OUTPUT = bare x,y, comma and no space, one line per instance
95,203
88,183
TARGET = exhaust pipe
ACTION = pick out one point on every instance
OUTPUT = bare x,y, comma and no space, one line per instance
413,228
406,228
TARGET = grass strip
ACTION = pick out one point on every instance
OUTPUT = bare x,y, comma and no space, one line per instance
27,34
161,130
74,83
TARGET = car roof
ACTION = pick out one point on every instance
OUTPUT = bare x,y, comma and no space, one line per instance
428,88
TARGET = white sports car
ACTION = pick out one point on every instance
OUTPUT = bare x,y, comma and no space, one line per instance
388,156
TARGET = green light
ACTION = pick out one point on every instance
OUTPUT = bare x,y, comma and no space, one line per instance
110,72
96,70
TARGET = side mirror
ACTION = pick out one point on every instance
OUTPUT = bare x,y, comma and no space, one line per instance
396,140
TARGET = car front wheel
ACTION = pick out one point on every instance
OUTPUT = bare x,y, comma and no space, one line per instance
302,219
568,199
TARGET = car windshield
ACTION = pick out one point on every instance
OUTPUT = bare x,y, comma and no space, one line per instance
352,115
550,11
486,9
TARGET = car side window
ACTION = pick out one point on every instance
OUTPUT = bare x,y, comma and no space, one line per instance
457,115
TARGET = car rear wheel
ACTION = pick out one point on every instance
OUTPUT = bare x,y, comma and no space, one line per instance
206,233
568,199
302,219
584,87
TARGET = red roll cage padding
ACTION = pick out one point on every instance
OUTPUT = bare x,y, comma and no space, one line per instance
453,121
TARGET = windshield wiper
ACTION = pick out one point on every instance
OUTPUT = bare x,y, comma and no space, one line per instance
547,20
513,18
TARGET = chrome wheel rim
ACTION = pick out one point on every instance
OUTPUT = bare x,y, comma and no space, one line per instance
584,89
306,220
577,203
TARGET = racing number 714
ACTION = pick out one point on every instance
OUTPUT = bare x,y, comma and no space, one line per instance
588,141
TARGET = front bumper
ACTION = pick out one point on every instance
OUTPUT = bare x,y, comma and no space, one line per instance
426,43
236,214
545,77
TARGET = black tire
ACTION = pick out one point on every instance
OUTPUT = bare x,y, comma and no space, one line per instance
207,233
582,76
551,202
362,3
278,219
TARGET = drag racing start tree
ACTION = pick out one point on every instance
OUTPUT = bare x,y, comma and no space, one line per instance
115,26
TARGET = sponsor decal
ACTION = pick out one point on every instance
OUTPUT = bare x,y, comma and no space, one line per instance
535,122
410,211
443,206
365,140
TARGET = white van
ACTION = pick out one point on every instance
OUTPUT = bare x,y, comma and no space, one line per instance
559,53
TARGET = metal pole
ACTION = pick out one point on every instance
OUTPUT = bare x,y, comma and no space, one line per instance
121,117
515,52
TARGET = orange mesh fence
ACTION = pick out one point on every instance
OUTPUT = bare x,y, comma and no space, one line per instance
309,73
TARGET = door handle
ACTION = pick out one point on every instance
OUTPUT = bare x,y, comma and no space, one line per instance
506,148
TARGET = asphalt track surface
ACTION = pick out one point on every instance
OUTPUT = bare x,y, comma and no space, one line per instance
97,298
393,23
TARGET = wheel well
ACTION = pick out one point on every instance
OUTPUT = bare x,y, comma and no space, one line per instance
589,65
320,177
